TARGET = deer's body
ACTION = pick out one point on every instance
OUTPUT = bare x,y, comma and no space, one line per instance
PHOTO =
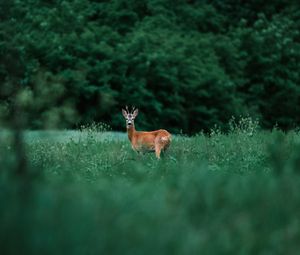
141,141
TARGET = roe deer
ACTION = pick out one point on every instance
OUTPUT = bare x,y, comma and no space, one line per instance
158,140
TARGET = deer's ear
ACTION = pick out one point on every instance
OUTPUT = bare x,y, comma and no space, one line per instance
135,113
124,113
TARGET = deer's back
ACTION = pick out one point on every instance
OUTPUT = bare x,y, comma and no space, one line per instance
147,140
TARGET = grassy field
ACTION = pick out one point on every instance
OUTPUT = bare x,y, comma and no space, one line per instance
89,193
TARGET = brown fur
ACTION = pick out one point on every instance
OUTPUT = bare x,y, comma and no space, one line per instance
153,141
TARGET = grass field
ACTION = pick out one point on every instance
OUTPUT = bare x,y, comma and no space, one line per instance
89,193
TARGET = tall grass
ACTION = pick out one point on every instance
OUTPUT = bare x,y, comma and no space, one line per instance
235,193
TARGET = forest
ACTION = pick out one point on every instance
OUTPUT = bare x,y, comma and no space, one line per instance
187,65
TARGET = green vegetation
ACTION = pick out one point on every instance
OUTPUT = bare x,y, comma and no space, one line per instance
188,65
191,67
235,193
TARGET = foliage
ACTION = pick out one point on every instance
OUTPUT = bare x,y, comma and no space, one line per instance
217,194
188,65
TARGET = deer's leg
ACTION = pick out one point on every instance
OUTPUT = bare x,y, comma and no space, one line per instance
157,150
164,143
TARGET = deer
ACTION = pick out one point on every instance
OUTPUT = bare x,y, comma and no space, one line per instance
145,141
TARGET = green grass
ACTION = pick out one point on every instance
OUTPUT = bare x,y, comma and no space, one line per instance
235,193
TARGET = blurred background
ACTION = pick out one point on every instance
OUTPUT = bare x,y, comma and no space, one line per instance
187,65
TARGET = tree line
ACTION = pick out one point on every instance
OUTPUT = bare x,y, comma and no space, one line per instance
187,65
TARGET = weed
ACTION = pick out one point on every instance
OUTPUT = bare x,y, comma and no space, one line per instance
235,193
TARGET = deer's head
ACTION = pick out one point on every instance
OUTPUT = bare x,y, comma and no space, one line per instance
130,116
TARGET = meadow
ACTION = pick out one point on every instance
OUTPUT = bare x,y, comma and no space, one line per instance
87,192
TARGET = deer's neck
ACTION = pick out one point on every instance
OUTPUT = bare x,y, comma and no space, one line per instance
131,131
